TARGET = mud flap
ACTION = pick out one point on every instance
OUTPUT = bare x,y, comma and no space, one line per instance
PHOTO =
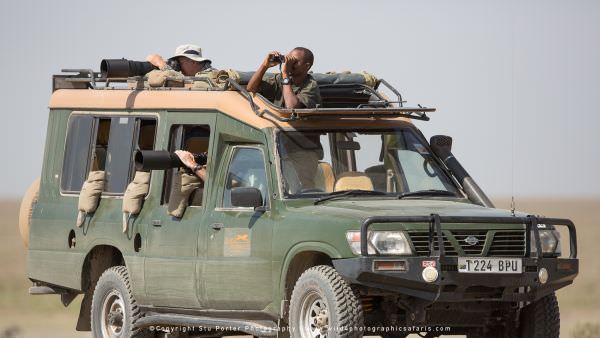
84,322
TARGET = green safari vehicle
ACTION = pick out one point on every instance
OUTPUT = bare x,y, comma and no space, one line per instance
338,221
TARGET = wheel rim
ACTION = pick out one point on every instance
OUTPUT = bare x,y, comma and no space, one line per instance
113,315
314,316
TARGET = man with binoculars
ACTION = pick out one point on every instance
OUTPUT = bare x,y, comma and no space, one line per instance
293,87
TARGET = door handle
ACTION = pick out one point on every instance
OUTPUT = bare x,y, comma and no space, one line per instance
217,226
156,222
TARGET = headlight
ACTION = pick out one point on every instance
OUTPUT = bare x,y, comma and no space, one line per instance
381,242
550,242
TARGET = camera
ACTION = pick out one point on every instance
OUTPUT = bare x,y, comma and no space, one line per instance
162,160
277,58
123,68
174,64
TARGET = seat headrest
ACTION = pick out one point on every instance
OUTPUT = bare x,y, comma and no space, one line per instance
353,180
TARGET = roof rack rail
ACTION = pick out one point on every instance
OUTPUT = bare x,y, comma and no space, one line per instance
88,79
362,111
393,90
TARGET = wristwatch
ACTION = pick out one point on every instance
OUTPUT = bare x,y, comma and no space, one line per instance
196,168
286,81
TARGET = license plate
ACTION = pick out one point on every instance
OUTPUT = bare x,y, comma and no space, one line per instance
489,265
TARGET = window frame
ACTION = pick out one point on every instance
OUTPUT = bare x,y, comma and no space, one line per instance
222,182
89,154
167,180
96,115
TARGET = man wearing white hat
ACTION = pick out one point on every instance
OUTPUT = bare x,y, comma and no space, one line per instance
189,58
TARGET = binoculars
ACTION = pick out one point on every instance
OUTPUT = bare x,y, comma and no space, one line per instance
277,58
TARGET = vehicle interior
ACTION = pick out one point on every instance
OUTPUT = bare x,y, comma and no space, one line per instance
323,162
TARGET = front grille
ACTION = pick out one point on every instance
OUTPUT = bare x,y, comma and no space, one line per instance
509,243
475,249
420,240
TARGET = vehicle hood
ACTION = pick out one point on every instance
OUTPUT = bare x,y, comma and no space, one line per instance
363,208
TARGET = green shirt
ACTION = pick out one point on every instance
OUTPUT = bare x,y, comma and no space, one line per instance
307,93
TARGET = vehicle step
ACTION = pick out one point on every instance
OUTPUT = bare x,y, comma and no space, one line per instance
253,327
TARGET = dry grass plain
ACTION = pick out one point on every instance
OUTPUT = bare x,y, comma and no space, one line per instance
22,315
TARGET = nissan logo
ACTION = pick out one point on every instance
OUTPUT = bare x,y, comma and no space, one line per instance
471,240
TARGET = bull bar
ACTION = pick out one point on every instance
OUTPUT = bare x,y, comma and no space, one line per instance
452,286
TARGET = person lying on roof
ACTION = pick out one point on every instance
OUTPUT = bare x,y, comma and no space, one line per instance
293,87
189,58
190,63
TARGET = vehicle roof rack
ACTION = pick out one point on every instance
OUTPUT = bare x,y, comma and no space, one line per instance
375,105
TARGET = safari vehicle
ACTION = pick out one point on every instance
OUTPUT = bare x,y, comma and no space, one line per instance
338,221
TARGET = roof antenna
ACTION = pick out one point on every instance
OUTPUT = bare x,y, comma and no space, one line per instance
512,205
512,119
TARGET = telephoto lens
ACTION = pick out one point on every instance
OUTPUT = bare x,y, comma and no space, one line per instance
161,160
123,68
201,158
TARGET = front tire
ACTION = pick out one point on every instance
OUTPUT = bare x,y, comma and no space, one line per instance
324,306
114,310
541,319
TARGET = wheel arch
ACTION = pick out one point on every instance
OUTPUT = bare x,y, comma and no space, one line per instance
98,259
299,258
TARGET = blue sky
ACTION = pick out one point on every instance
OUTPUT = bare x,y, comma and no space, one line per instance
515,82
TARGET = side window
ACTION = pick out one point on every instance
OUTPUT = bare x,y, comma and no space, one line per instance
104,144
77,151
119,154
192,138
246,169
146,134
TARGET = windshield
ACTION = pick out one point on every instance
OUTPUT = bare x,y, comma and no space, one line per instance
394,162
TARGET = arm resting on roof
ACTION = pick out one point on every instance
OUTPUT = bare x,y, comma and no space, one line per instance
254,83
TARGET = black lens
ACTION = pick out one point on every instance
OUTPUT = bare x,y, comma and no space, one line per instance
200,158
174,64
122,68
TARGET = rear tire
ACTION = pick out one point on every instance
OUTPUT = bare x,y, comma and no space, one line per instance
324,306
541,319
114,310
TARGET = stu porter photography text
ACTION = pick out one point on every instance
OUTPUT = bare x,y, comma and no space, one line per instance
366,329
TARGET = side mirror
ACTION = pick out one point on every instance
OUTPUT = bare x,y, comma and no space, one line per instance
247,197
441,145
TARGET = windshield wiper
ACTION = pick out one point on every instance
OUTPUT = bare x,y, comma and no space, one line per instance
345,193
429,192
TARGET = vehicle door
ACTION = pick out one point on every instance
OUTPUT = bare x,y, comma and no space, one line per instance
238,267
172,268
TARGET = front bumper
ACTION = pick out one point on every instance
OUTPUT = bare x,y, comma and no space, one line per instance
454,286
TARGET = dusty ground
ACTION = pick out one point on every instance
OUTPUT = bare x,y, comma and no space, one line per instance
44,316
